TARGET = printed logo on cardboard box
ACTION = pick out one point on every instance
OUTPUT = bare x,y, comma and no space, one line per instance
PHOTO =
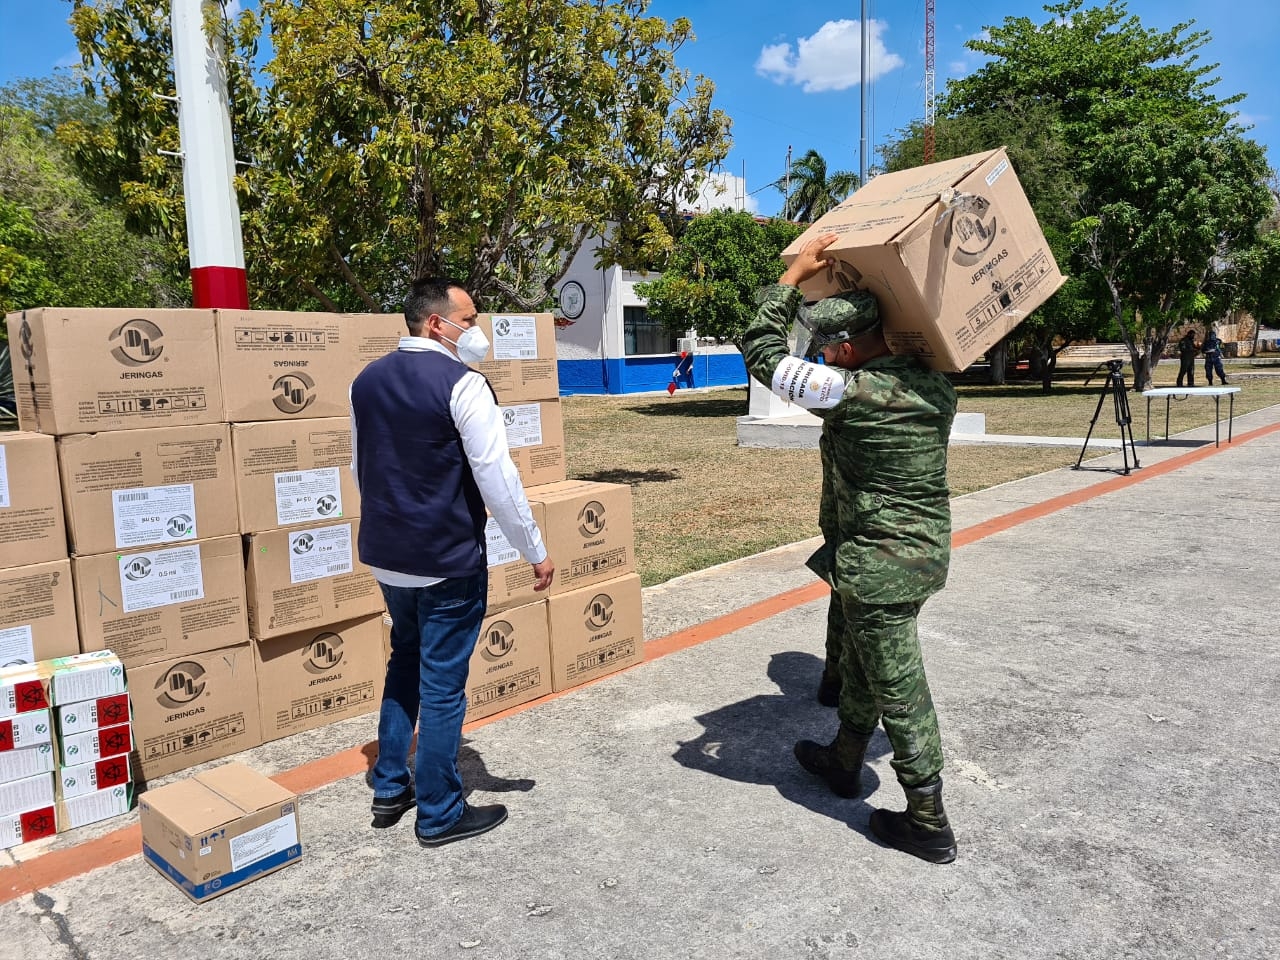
498,641
180,684
293,392
137,342
599,612
323,653
591,519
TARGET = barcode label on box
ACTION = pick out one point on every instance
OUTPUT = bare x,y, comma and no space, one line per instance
303,495
320,552
160,578
154,515
515,337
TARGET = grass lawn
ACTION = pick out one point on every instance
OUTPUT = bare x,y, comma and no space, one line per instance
701,500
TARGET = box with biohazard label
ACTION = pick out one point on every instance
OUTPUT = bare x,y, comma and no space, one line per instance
37,613
87,370
521,365
95,744
154,604
952,251
312,678
28,761
98,805
595,631
511,664
193,709
301,577
589,531
510,574
27,810
85,676
91,777
219,830
286,366
32,527
535,436
143,487
89,714
293,471
23,730
24,687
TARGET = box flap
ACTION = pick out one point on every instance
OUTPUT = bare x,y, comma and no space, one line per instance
244,787
191,806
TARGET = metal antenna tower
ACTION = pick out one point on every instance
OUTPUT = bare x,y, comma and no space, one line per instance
929,75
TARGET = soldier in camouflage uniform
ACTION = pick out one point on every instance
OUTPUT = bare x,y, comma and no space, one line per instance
886,519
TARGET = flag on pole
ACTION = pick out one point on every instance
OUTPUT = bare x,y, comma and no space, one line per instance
676,374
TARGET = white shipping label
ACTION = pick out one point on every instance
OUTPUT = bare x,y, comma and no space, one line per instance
303,495
322,552
159,578
515,337
154,514
997,173
524,425
262,842
497,546
16,645
4,478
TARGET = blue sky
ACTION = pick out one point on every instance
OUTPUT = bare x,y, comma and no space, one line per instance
787,73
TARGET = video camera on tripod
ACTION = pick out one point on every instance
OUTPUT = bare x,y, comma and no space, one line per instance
1119,393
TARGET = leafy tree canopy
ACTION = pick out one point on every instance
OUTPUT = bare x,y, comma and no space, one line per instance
811,190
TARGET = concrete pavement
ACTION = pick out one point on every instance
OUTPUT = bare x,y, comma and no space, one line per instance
1105,667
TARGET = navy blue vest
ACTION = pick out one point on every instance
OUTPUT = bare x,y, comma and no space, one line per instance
421,512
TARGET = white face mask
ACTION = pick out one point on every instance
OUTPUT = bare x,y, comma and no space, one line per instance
472,345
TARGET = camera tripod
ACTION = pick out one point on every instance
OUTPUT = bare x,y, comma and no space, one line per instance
1119,393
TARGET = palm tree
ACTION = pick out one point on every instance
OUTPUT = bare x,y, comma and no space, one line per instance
813,191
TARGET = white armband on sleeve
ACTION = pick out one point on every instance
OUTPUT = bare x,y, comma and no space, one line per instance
807,384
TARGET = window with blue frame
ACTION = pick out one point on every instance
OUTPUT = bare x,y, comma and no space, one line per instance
642,335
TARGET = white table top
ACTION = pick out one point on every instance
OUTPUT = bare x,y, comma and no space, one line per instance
1194,391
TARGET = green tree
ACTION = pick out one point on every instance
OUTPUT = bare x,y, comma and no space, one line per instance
712,277
811,190
485,139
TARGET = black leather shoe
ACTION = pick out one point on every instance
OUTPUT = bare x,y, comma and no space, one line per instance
473,822
387,813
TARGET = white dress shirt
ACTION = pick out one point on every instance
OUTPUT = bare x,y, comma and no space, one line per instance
484,440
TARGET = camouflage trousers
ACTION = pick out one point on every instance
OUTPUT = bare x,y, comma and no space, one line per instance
882,681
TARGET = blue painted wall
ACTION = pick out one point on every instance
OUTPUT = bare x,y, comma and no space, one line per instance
640,374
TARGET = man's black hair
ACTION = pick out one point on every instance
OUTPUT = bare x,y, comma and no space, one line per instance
427,295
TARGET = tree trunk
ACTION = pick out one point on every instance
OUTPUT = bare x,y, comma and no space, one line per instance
999,358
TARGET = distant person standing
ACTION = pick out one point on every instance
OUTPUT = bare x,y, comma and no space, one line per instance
430,453
1212,348
1187,351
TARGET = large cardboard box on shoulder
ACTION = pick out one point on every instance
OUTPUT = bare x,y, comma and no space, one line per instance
510,575
595,631
589,531
150,605
37,613
952,251
293,471
87,370
302,577
315,677
522,364
511,664
535,436
32,528
192,709
136,488
219,830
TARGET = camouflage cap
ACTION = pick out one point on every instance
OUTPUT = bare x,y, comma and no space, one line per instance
845,315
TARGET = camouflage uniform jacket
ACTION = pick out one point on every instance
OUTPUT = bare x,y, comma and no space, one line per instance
885,512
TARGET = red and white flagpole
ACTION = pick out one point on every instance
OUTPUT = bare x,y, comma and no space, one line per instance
208,162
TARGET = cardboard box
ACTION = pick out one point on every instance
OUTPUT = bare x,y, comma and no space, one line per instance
511,664
193,709
37,613
28,761
24,730
219,830
595,631
86,370
522,364
286,366
535,435
96,744
376,335
315,677
23,687
510,575
90,714
952,251
89,778
302,577
87,808
142,487
85,676
150,605
589,531
27,826
32,528
293,471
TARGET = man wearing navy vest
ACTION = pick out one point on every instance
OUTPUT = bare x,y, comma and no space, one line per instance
429,451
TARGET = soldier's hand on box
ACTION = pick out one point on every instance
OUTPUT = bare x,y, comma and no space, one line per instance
543,573
810,261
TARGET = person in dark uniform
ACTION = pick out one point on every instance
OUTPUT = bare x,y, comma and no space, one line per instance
1187,351
1212,349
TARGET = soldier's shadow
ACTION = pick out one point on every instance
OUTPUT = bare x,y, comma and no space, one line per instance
751,741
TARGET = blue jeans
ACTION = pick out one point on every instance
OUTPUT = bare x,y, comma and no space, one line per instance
433,633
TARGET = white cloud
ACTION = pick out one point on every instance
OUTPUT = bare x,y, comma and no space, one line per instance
723,191
831,59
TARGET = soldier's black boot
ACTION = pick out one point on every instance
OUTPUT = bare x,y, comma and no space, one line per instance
922,829
838,762
829,686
